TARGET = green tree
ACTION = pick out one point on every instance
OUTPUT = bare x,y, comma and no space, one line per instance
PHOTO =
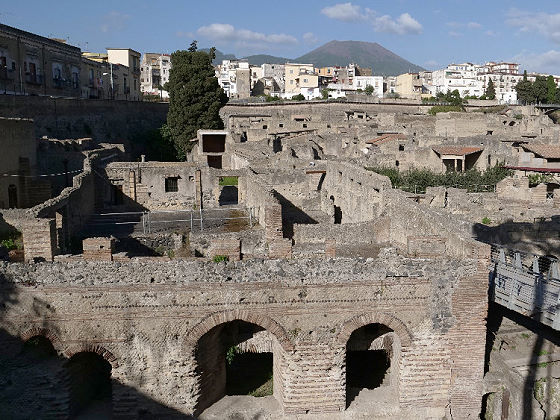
369,90
524,90
550,89
195,98
490,92
325,93
540,89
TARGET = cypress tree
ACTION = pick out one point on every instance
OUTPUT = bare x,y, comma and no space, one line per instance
195,98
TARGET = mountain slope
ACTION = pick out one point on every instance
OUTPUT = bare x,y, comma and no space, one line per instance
364,54
259,59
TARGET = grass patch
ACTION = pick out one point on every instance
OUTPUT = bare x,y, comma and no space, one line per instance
228,181
445,108
220,258
486,221
263,390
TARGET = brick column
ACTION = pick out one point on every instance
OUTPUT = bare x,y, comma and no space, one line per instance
39,239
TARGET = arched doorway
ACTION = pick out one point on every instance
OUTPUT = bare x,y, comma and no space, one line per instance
372,360
90,385
235,358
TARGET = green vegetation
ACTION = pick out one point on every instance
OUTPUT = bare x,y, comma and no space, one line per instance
445,108
417,180
298,97
265,389
542,90
11,240
158,145
230,354
486,221
269,98
220,258
369,90
490,92
536,179
449,98
195,98
324,94
228,180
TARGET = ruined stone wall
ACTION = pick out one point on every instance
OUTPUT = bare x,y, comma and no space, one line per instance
365,201
104,120
147,318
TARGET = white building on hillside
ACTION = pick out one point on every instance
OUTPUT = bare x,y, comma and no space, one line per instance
361,82
154,74
234,76
461,77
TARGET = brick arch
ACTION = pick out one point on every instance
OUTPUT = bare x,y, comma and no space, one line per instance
91,348
43,332
361,320
217,318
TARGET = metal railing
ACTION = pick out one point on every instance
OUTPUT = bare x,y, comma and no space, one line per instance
527,284
119,223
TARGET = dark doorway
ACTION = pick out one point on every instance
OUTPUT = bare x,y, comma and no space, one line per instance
214,161
90,385
337,215
12,196
38,348
228,366
117,195
213,143
228,195
367,361
249,374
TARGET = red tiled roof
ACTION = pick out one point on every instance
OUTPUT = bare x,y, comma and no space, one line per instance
457,150
546,151
387,137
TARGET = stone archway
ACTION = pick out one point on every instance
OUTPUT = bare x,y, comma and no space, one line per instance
373,345
42,332
89,376
217,318
238,353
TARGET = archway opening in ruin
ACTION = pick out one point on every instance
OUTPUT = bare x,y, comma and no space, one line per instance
235,358
372,353
90,385
39,348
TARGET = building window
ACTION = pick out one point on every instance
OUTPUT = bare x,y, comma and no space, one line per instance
172,184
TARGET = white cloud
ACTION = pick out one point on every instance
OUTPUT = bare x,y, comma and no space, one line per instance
244,37
545,24
547,62
455,34
114,21
348,12
310,38
431,64
182,34
490,33
469,25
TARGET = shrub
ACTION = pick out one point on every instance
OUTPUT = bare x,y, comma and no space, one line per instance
486,221
445,108
220,258
298,97
9,244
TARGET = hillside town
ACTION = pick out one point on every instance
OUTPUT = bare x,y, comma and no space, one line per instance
126,74
190,237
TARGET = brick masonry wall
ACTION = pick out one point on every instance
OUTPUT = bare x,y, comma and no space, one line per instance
158,311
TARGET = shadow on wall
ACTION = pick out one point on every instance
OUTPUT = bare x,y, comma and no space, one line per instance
540,237
291,215
37,382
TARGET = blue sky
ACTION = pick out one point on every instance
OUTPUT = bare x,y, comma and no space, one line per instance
431,33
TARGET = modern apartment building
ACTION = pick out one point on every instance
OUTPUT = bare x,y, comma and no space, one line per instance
154,74
298,77
34,65
234,76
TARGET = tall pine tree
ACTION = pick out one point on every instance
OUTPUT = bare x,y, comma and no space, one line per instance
490,90
195,98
